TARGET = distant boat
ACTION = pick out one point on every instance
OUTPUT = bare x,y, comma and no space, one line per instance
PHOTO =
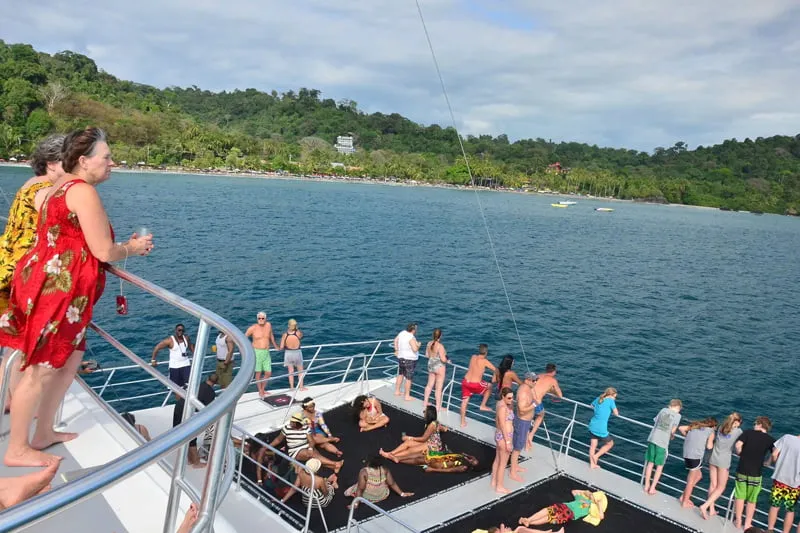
567,202
559,205
604,209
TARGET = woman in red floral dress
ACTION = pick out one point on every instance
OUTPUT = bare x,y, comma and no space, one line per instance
53,293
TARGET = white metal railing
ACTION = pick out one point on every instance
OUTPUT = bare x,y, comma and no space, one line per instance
375,360
218,414
626,458
321,368
354,525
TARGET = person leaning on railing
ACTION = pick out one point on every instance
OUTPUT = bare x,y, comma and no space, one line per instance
54,290
23,218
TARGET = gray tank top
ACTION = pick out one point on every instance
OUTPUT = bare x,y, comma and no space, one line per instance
723,448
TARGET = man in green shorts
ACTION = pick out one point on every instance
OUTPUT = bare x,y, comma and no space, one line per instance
262,335
752,446
664,425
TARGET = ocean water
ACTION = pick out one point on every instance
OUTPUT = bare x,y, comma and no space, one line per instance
657,301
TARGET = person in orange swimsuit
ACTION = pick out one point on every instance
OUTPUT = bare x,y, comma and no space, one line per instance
21,226
53,293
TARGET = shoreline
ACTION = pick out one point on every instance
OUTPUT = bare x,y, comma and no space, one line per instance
377,181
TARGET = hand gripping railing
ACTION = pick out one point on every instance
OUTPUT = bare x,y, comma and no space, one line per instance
351,523
218,412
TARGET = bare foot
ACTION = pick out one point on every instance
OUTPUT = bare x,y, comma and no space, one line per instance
51,439
484,408
688,504
737,525
646,489
704,512
515,477
652,491
712,511
338,467
520,469
524,521
594,465
14,490
501,490
407,399
303,388
30,457
397,393
463,423
528,446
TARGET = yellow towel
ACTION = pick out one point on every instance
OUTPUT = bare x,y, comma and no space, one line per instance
594,512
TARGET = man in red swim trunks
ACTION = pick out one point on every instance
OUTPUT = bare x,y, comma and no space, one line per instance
473,382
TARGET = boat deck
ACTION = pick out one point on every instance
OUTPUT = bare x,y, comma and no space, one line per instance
450,499
101,440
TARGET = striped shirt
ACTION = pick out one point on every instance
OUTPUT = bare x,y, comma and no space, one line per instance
296,439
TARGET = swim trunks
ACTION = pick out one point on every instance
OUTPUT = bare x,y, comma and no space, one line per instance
747,488
784,496
468,388
406,367
521,428
655,454
263,361
292,357
559,513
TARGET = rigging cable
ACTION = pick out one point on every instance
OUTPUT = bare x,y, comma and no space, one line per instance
472,182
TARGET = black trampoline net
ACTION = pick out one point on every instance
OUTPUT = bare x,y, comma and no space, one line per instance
619,517
356,446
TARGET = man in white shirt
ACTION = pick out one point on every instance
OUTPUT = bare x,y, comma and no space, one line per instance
405,348
785,481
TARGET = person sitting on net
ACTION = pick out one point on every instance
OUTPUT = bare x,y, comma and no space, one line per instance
374,483
368,413
300,445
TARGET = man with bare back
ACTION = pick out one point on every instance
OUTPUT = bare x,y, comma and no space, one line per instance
523,420
262,335
546,383
473,382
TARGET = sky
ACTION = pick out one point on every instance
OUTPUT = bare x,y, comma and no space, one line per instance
622,73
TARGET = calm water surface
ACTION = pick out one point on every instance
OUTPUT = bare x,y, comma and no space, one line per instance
656,301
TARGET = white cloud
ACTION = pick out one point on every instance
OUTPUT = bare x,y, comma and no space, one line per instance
620,72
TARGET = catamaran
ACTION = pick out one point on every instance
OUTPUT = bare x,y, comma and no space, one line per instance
119,482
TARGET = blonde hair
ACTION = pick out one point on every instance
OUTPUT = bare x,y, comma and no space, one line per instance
611,391
676,403
293,323
710,422
727,426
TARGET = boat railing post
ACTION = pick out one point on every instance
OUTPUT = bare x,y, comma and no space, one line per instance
241,461
310,500
8,362
214,471
179,471
364,377
108,380
450,387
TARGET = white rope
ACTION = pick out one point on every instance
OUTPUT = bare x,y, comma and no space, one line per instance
472,182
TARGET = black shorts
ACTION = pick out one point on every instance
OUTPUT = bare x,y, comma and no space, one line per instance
406,368
692,464
603,440
180,376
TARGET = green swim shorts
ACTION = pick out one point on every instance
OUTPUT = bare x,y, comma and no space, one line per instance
655,454
263,361
747,488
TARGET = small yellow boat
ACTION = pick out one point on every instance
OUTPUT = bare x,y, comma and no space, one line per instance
559,205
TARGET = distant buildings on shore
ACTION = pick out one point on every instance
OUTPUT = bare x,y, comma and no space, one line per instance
344,144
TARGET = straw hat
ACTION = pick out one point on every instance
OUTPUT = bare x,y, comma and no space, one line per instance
313,464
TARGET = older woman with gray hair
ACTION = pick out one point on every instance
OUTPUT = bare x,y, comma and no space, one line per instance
23,217
54,290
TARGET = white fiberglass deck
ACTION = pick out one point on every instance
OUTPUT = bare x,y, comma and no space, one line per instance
119,508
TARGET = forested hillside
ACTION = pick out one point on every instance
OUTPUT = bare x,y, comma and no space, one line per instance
295,131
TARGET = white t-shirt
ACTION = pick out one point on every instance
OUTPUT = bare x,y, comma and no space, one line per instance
404,350
787,469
